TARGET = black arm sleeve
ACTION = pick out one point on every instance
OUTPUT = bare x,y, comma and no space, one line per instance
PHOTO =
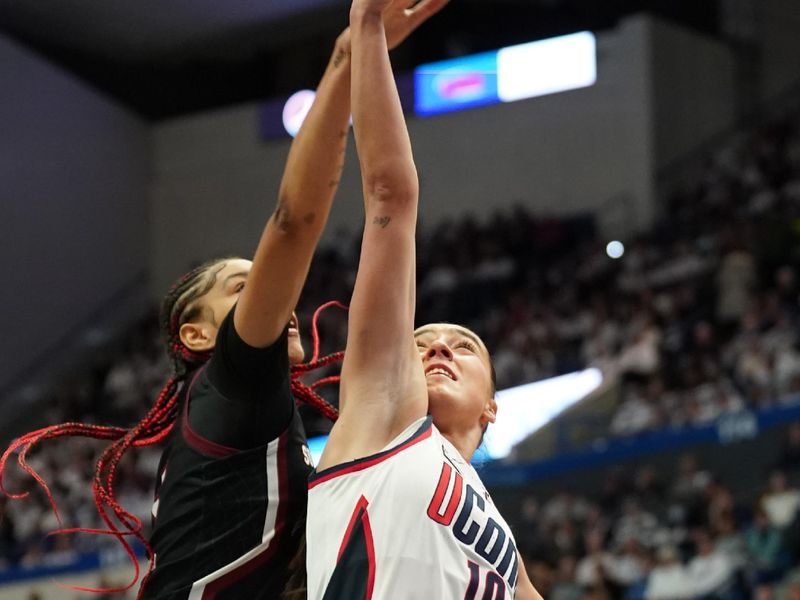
243,398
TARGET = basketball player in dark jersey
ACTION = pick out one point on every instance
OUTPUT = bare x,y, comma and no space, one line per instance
232,482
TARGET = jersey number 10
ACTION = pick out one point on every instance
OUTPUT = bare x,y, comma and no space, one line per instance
494,587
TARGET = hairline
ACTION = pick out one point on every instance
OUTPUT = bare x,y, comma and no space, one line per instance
453,327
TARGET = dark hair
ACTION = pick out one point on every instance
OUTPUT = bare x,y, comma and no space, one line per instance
180,305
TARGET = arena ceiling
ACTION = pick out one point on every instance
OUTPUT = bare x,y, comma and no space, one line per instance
168,57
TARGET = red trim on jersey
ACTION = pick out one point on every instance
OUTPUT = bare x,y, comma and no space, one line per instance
423,433
360,513
194,439
362,503
370,552
218,585
438,497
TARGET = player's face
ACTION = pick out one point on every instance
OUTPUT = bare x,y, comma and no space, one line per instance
230,281
458,374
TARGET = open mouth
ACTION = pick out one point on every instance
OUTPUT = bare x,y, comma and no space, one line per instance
293,326
440,369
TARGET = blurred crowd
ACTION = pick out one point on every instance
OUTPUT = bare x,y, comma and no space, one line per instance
691,536
699,317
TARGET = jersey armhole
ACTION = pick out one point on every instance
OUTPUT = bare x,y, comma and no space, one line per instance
422,433
193,439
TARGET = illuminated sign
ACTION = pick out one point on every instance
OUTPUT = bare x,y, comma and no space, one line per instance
514,73
506,75
456,84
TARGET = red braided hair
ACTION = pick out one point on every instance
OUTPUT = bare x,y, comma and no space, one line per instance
180,306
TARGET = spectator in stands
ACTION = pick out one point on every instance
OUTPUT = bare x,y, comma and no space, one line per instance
591,569
780,502
765,549
636,414
710,572
691,481
736,281
635,524
730,541
566,586
668,578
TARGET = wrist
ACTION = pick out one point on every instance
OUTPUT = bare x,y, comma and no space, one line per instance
361,16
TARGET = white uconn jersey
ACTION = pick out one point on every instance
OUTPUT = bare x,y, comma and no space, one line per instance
411,522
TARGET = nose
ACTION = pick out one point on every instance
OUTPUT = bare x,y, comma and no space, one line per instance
438,348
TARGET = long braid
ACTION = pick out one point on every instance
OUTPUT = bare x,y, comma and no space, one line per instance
308,394
180,306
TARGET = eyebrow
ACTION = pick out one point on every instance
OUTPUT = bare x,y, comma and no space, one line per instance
464,332
234,275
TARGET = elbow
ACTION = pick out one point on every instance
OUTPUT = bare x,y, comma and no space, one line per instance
291,220
392,188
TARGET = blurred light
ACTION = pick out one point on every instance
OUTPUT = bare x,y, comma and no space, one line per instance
556,65
524,409
509,74
296,109
316,445
615,249
521,410
456,84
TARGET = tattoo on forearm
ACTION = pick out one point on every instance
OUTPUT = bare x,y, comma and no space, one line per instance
382,221
340,57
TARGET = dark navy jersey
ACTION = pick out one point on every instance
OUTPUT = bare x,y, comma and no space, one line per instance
232,483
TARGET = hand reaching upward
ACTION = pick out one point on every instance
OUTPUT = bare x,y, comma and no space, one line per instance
400,18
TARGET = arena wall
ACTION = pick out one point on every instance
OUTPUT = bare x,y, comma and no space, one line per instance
216,182
75,170
693,89
595,149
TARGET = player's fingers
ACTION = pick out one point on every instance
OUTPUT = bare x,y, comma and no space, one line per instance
425,9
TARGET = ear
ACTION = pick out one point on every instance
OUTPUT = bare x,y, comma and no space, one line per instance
198,337
489,414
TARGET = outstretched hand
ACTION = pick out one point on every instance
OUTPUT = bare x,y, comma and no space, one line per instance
400,17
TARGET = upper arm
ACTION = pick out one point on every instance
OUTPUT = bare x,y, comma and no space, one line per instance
525,589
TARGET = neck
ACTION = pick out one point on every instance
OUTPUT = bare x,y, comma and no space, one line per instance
466,442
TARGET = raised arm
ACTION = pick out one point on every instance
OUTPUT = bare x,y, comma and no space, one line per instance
309,183
383,387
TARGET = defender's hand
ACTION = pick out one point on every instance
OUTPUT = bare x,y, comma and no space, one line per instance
400,19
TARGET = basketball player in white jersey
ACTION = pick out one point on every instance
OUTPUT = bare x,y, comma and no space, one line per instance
395,510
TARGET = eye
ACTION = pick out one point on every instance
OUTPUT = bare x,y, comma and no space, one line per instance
239,287
466,344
